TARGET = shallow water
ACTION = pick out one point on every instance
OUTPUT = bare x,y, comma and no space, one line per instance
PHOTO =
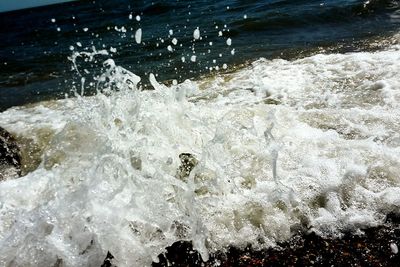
108,177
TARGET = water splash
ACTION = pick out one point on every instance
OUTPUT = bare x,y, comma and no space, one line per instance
272,146
114,157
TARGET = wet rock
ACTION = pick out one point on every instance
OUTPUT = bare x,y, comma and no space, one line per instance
10,157
271,101
188,162
375,247
108,260
179,254
136,161
393,218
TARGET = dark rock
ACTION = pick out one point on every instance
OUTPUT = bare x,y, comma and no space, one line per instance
10,157
108,260
179,254
393,218
188,162
271,101
373,248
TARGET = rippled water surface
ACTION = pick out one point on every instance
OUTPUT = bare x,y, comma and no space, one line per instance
36,42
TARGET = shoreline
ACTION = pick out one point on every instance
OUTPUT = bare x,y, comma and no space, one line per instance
375,247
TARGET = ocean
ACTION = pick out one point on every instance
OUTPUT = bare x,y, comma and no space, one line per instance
34,51
223,123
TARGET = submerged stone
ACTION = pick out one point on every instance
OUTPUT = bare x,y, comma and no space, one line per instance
10,157
188,162
108,260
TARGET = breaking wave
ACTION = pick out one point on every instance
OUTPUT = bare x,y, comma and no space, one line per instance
251,156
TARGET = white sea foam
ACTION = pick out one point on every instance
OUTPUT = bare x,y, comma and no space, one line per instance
281,145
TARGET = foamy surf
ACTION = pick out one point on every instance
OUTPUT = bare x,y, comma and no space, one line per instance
277,147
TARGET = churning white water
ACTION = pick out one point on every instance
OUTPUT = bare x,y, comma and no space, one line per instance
278,146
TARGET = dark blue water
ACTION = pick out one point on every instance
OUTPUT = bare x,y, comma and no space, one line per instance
34,50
